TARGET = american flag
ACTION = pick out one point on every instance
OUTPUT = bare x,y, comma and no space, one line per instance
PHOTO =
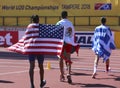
40,39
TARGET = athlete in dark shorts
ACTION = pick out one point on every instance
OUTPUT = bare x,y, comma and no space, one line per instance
40,58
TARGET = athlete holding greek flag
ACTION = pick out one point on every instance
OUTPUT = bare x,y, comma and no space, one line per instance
103,43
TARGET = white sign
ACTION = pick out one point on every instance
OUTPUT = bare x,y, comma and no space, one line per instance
84,38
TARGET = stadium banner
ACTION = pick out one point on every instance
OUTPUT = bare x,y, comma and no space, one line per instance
8,38
20,34
84,38
12,28
103,6
54,7
117,39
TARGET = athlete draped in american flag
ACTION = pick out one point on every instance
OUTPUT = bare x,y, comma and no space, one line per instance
69,43
103,43
34,27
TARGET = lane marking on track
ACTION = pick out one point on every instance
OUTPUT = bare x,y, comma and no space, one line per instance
16,72
6,66
10,62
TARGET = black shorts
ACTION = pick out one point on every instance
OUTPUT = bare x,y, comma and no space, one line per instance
40,58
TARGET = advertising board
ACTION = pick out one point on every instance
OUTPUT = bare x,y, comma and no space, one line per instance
54,7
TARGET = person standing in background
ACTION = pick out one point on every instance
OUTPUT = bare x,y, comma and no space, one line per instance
103,43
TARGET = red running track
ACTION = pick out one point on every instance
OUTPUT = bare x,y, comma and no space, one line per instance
14,71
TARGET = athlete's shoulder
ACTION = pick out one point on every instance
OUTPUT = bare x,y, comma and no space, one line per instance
33,25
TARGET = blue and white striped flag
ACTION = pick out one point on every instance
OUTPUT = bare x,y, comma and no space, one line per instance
103,42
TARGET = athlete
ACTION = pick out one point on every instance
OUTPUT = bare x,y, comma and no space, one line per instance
103,43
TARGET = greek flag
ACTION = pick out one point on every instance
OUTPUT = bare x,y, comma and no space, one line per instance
103,42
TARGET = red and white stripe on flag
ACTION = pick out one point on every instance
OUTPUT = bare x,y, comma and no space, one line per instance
40,39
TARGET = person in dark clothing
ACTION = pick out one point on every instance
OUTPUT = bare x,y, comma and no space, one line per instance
32,57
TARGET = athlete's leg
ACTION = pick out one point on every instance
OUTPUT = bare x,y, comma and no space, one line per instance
40,59
31,69
61,65
68,55
107,65
95,65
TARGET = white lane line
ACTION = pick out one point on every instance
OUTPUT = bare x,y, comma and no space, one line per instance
13,62
16,72
4,66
